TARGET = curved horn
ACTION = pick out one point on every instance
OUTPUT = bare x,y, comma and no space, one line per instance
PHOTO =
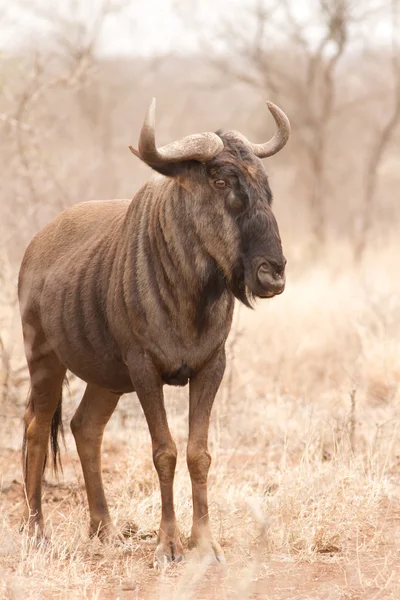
278,141
200,146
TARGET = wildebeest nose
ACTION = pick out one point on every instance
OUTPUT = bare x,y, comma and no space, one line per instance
271,277
277,266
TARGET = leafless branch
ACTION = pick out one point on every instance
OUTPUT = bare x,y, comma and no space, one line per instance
381,142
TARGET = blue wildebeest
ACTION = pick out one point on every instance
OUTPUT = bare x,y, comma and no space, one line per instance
132,295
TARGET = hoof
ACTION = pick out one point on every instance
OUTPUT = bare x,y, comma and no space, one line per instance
108,534
167,554
34,529
129,530
209,551
220,558
35,537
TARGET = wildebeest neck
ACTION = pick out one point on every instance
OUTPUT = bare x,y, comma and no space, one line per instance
168,261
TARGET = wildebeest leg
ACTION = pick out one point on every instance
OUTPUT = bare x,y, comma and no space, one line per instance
203,388
47,375
88,425
148,387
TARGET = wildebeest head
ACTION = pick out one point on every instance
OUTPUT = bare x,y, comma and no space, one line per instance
230,201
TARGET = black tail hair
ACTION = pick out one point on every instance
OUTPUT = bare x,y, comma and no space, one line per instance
56,427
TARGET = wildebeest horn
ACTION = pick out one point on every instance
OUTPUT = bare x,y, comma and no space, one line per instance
279,139
200,146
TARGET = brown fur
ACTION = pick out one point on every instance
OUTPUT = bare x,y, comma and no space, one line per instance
133,295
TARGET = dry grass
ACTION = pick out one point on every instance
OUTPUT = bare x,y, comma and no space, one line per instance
305,477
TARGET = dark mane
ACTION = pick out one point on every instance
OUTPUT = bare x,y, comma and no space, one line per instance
213,287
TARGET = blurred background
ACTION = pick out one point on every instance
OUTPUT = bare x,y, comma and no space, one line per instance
75,82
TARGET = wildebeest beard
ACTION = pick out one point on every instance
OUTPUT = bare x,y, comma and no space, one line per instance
215,284
216,281
238,287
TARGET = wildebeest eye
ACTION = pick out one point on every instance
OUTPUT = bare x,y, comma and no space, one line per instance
220,183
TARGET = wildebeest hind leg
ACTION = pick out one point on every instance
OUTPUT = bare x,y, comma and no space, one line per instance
88,425
47,375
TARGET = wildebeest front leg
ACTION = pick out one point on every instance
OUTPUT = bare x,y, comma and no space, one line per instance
203,388
148,386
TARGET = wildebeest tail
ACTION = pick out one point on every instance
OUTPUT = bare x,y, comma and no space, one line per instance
55,428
